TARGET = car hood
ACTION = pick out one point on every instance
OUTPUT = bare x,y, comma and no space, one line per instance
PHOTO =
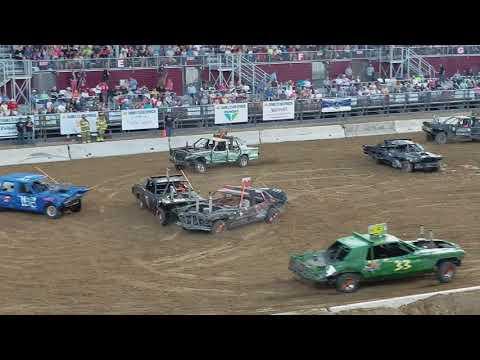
63,192
317,258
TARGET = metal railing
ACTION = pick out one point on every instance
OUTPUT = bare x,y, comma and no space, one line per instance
202,116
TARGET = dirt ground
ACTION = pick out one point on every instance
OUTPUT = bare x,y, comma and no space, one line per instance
115,258
445,304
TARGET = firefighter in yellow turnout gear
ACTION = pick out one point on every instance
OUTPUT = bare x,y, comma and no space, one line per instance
85,130
102,126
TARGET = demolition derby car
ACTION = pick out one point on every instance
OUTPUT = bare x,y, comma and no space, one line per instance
31,192
377,256
403,154
163,194
454,128
233,206
217,150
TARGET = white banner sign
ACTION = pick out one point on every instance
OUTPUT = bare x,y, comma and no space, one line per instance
231,113
336,105
278,110
70,122
140,119
8,125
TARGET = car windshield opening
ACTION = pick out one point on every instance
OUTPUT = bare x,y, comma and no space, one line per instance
415,148
337,251
38,186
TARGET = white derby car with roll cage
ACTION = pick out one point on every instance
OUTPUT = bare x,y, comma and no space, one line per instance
220,149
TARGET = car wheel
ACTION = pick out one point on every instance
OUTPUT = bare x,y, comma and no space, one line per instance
218,227
441,138
407,166
347,283
243,161
396,164
200,166
446,271
77,208
161,216
272,215
53,212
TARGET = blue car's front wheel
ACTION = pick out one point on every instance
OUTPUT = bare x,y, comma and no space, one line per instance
53,212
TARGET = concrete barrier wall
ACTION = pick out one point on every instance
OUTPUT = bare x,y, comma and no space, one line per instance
116,148
406,126
34,155
302,134
368,129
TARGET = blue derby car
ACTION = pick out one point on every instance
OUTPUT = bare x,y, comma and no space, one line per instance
31,192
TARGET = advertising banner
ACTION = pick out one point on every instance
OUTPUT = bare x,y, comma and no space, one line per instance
231,113
8,125
70,122
336,104
140,119
278,110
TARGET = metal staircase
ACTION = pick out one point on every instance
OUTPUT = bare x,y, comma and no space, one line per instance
417,65
6,51
16,80
227,68
404,62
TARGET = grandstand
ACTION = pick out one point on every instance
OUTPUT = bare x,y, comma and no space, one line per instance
188,80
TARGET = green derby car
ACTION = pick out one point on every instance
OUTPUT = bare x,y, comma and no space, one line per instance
217,150
377,256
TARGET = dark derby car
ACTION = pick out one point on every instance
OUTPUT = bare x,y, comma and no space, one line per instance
454,128
232,206
403,154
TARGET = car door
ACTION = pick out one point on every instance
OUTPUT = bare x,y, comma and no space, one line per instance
391,260
7,193
24,199
219,153
475,129
233,151
463,129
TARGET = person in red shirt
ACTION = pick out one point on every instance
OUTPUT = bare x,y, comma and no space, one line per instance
103,86
12,107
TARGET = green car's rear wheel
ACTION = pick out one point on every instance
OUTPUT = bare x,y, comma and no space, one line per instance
347,283
243,161
446,271
200,166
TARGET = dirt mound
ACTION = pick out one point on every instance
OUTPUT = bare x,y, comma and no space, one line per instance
449,304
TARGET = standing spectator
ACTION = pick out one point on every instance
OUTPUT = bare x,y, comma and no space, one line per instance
442,73
105,75
370,72
103,87
73,81
169,122
192,91
12,107
29,131
349,72
132,84
20,132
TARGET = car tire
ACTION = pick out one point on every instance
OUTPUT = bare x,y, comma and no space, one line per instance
200,166
218,227
347,283
77,208
161,216
272,215
52,212
446,271
243,161
441,138
407,166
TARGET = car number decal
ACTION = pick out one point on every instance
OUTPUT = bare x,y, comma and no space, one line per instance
28,201
402,265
